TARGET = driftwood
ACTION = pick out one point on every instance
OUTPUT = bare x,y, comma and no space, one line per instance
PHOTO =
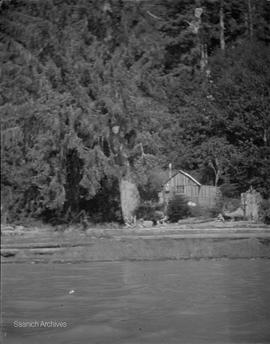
237,214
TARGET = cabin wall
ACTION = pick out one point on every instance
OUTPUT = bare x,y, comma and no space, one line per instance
182,185
204,195
208,196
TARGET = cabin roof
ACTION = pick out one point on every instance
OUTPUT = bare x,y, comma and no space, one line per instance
187,175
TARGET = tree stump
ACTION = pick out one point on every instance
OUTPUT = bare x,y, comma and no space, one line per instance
251,201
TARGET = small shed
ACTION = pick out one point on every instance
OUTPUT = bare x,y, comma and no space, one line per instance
182,183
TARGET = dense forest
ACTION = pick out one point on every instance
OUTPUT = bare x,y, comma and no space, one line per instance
93,92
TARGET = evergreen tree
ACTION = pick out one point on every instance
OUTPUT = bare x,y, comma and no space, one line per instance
97,92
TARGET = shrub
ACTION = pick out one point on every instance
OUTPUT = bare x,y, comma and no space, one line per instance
197,211
155,180
265,211
177,209
231,204
145,211
149,211
215,211
205,212
229,190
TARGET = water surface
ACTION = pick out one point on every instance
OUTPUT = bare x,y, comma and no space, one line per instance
190,301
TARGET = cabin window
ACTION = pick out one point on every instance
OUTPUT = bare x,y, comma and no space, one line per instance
180,189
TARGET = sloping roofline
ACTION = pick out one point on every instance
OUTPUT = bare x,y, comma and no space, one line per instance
187,175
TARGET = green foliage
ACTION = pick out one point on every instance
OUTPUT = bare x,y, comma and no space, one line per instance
71,71
154,181
217,155
177,209
241,95
65,87
197,211
205,213
229,190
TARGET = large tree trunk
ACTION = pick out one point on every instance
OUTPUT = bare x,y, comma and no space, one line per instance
130,199
129,196
122,148
222,26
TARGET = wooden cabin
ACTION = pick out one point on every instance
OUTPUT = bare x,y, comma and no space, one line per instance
182,183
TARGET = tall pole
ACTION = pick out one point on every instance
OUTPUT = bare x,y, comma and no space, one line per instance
250,18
